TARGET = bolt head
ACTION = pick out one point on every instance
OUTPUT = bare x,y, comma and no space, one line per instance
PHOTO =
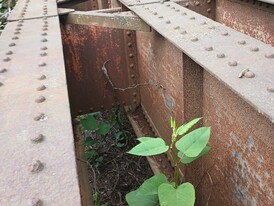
42,77
40,99
35,202
210,48
3,70
37,139
221,55
249,74
36,166
232,64
41,88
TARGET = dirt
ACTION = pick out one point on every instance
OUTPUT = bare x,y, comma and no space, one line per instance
118,173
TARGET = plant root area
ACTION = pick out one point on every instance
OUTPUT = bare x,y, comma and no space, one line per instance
112,172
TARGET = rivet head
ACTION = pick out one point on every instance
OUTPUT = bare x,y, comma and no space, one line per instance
203,23
44,40
167,5
44,34
131,66
168,22
221,55
3,70
35,202
17,32
42,77
242,42
183,32
176,28
129,44
42,64
208,10
41,88
134,94
232,64
269,56
194,39
173,7
270,89
43,48
254,49
18,29
187,4
210,48
249,74
132,76
9,53
225,34
12,44
36,167
15,38
40,117
192,18
43,54
131,55
183,13
6,59
45,29
128,33
211,27
197,3
37,139
155,13
160,17
177,10
1,84
40,99
45,25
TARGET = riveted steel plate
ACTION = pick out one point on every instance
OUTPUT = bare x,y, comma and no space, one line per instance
29,9
36,140
268,1
138,2
222,51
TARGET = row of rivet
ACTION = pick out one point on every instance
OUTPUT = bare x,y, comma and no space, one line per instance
248,73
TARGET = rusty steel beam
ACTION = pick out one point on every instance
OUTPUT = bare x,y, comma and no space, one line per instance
38,165
117,20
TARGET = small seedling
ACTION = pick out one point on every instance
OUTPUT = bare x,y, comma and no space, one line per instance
157,189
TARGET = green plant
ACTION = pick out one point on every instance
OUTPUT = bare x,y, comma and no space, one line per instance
158,189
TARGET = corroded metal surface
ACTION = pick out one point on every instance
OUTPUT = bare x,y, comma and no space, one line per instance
239,15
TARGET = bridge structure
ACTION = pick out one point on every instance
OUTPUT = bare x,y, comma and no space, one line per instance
199,58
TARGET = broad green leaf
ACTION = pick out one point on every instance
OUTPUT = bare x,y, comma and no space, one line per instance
135,198
184,195
194,142
90,142
88,122
150,186
187,159
149,146
143,139
184,128
103,128
90,154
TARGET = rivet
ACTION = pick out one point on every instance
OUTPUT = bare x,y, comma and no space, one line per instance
129,44
131,55
42,64
177,10
249,74
128,33
225,34
40,99
45,29
208,10
269,56
41,88
242,42
155,13
232,64
134,101
23,13
176,27
44,40
36,167
134,94
168,22
12,44
45,25
3,70
197,3
91,109
146,8
192,18
6,59
187,5
43,48
1,84
102,107
45,22
242,73
14,38
131,65
43,54
18,29
9,53
160,17
270,89
20,21
220,56
45,18
35,202
203,23
37,138
80,112
44,34
40,117
17,32
254,49
132,76
183,32
42,77
194,39
167,5
211,27
208,1
173,7
210,48
183,13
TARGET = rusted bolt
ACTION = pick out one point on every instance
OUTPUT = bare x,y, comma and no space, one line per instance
208,10
7,59
129,44
42,77
183,32
42,64
221,55
123,102
128,33
132,76
176,28
192,18
35,202
249,74
41,88
38,138
9,53
131,55
242,42
254,49
43,54
12,44
3,70
44,40
40,99
168,22
131,66
43,48
232,64
40,117
225,34
36,167
269,56
210,48
14,38
197,3
194,39
270,89
183,13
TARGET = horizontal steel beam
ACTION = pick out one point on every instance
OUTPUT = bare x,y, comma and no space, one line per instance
106,18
